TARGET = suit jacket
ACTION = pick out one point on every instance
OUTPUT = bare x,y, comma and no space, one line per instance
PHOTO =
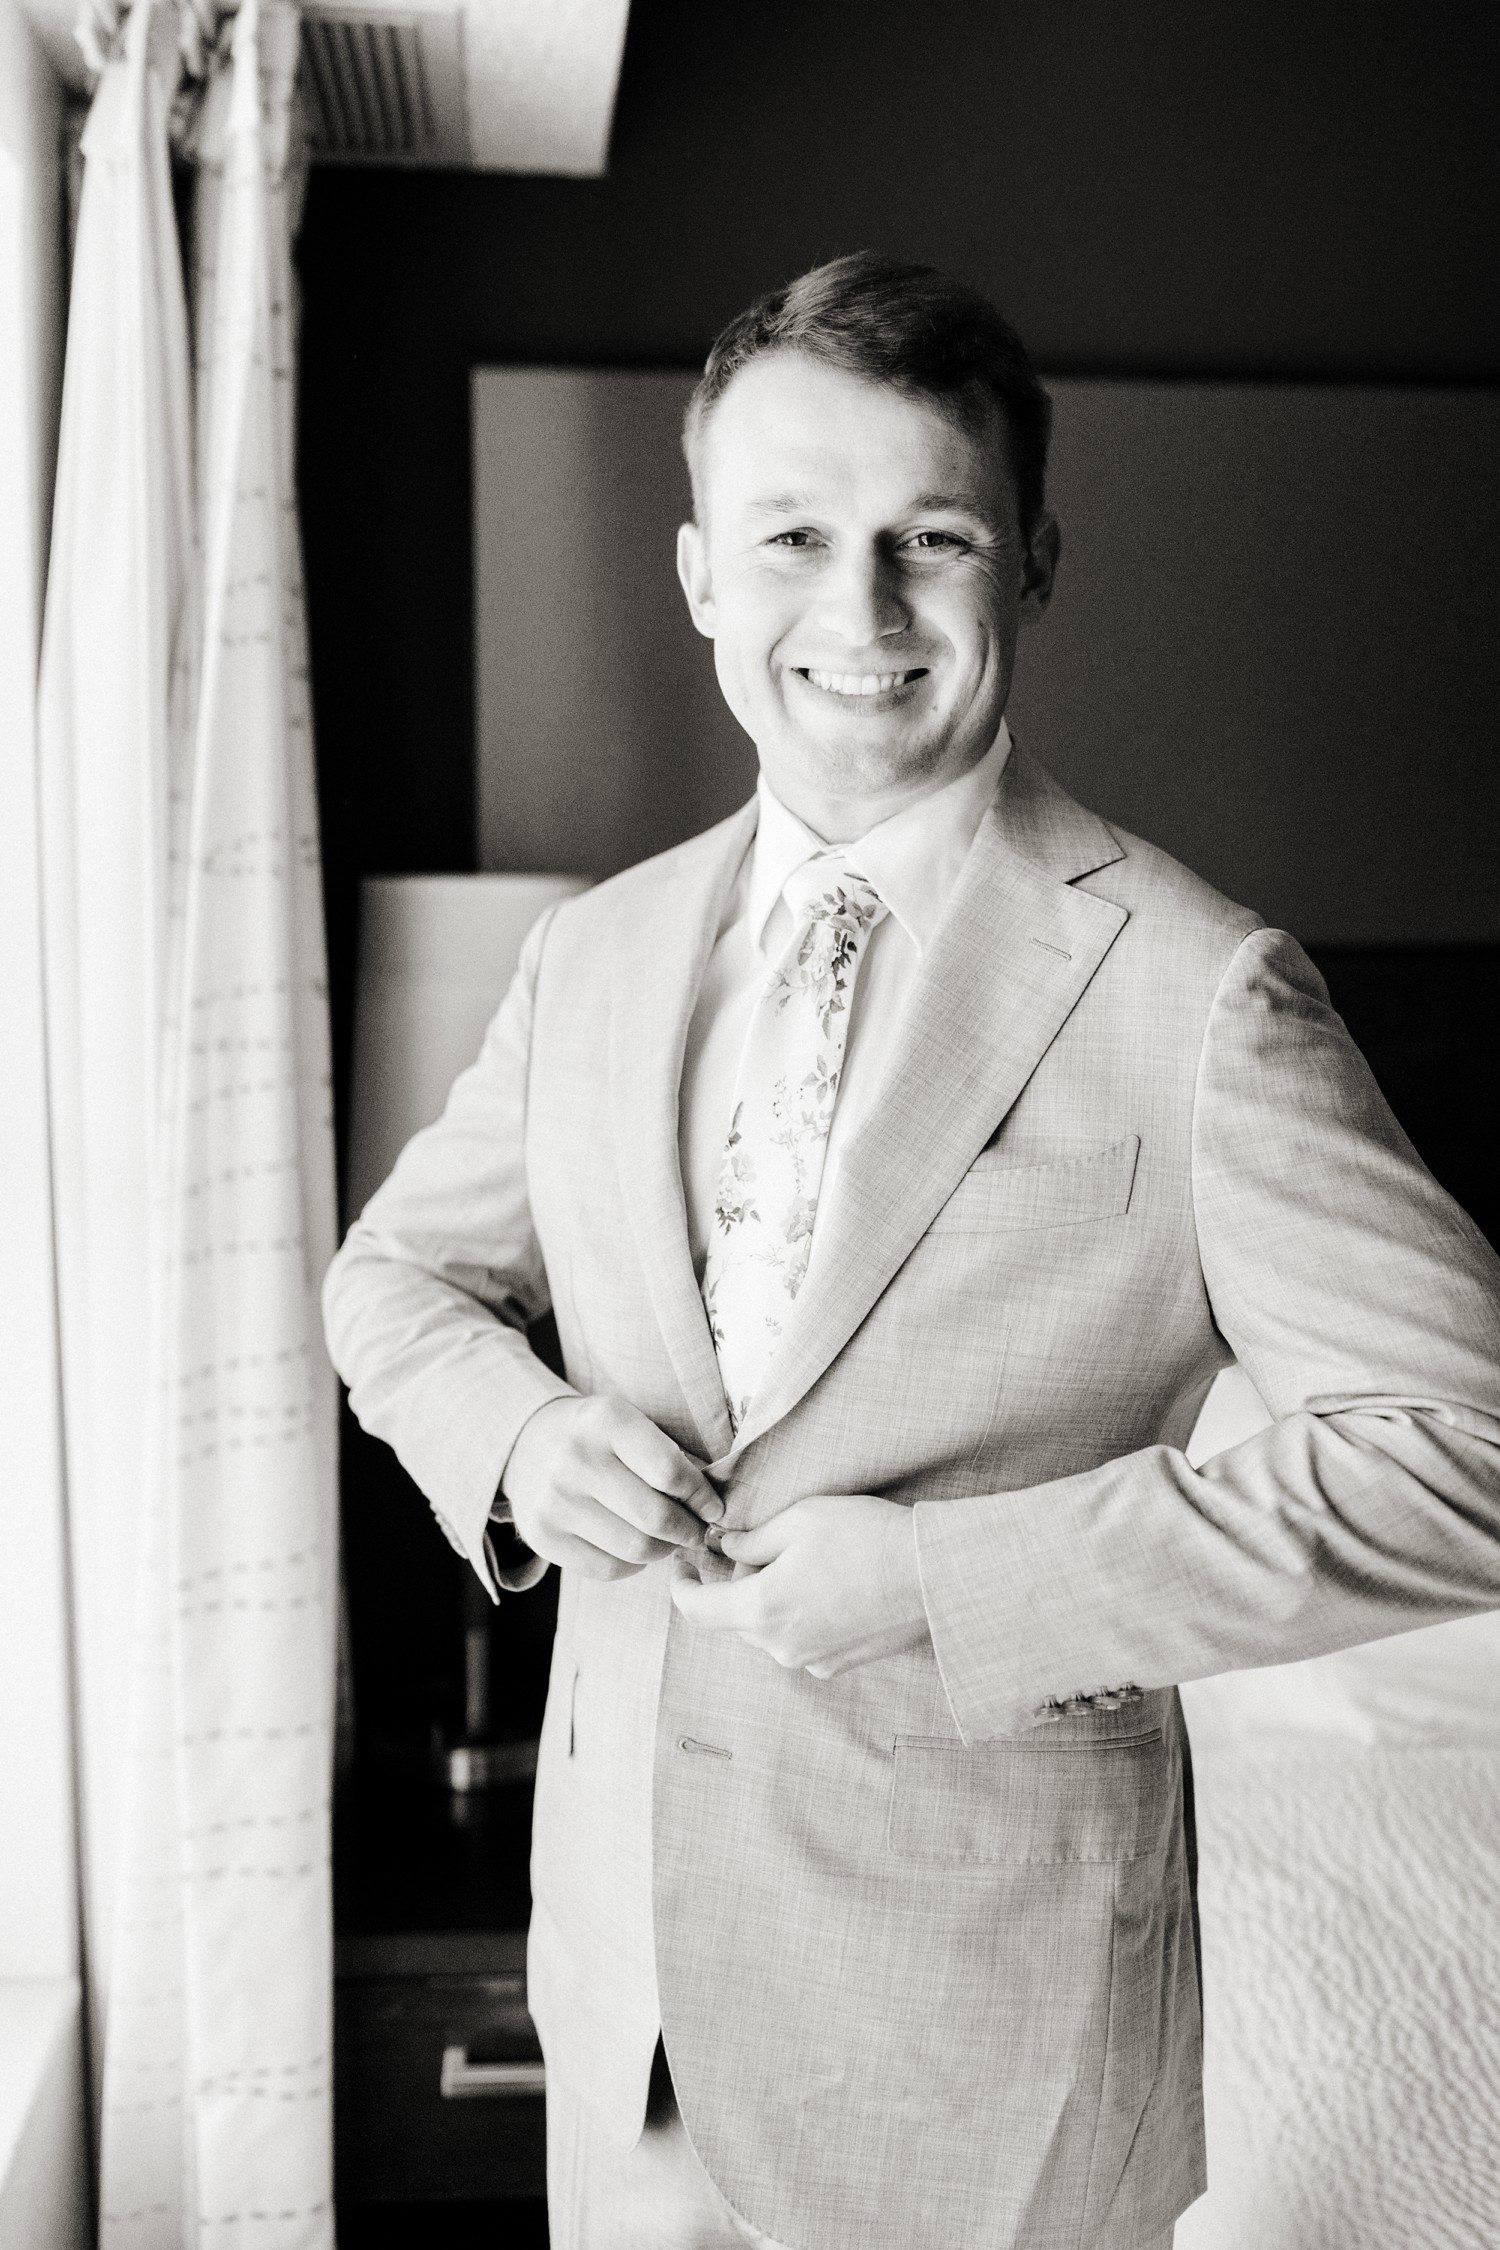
920,1938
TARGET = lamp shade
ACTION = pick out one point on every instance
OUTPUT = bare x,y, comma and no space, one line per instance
436,954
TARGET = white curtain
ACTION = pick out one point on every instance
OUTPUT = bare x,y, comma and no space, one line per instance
187,1025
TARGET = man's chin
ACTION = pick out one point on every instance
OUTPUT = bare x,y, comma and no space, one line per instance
845,758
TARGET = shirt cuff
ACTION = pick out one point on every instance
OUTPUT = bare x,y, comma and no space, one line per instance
464,1508
516,1567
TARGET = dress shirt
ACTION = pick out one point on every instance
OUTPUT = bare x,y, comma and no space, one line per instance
913,859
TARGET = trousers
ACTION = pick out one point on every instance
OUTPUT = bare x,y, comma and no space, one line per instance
655,2196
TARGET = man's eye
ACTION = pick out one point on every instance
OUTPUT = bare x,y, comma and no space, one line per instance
935,542
793,539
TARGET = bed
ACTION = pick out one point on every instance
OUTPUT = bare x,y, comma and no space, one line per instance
1349,1836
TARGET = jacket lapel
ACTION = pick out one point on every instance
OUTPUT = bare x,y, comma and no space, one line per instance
657,969
1006,969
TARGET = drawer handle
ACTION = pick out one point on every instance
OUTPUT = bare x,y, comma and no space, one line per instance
465,2081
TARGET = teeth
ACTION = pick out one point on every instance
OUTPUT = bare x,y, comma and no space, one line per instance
856,683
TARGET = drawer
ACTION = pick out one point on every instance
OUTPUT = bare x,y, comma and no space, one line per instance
437,2087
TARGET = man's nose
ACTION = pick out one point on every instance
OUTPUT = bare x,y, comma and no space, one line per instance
862,599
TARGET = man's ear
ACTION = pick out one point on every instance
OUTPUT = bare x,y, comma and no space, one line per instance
697,583
1043,551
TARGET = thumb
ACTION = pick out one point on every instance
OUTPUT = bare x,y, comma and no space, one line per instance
654,1457
717,1607
764,1542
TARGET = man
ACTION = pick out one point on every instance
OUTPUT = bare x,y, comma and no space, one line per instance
902,1160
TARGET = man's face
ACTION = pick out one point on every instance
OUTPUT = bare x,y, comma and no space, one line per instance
861,571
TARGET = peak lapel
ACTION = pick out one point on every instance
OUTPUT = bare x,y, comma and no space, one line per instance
1013,956
657,969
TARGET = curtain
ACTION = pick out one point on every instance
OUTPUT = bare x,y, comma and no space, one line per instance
187,1024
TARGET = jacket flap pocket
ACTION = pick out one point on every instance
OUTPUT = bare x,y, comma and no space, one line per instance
1030,1803
1095,1184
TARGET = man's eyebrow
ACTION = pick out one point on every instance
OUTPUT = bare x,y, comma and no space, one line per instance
783,504
925,503
956,503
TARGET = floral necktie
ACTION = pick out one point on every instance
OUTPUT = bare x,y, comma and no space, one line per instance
788,1081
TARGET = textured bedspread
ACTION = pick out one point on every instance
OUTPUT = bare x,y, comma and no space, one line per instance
1351,1936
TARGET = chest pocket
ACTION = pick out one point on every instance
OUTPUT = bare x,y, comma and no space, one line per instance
994,1194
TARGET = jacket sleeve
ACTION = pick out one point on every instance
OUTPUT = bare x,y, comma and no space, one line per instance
427,1303
1365,1308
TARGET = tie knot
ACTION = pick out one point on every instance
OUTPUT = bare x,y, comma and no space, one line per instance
827,889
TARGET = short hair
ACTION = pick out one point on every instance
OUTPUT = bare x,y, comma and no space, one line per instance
910,326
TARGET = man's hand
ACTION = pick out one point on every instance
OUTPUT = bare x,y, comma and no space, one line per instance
594,1484
827,1584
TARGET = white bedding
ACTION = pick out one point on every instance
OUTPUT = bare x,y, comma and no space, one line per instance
1350,1900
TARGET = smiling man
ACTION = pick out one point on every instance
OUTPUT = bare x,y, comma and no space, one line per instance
862,559
901,1161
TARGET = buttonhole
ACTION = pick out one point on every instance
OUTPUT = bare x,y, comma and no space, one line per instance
702,1749
1057,949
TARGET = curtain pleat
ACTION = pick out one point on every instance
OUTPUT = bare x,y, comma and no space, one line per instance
216,2124
114,718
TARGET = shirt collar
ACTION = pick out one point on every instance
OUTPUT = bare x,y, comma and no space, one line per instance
912,858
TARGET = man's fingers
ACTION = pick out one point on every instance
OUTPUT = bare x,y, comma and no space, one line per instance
604,1527
589,1561
764,1543
720,1607
636,1502
653,1457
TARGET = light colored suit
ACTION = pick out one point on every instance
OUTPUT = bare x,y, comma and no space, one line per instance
920,1938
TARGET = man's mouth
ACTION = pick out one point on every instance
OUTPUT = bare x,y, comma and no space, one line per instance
858,683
